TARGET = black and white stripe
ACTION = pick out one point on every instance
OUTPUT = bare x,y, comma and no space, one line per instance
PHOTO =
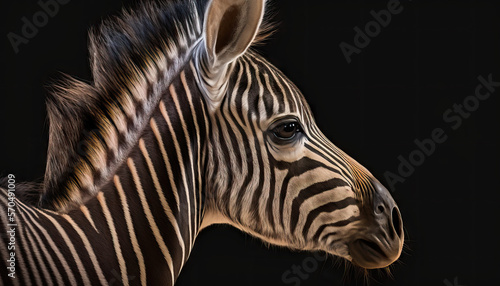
190,141
140,225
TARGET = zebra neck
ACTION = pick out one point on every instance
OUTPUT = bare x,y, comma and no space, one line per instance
159,186
140,227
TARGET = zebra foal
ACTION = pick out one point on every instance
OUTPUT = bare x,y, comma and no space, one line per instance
185,126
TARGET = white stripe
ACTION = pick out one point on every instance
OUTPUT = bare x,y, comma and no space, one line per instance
89,249
161,195
197,131
237,184
86,213
114,236
130,227
235,94
181,164
51,243
151,220
273,95
156,131
22,244
247,212
69,244
263,200
244,101
45,271
285,98
186,136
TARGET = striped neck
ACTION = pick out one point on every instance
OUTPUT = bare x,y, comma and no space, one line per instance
154,203
140,227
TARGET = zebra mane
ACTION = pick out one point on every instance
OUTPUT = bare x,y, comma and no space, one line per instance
134,57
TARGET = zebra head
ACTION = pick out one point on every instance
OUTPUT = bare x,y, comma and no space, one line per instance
270,170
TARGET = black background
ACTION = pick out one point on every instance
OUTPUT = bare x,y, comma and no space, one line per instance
393,92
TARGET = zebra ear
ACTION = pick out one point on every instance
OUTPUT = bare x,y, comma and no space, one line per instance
230,27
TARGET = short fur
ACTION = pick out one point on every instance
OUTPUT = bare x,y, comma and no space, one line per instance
78,112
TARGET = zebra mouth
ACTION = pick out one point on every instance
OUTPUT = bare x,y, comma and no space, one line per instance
369,254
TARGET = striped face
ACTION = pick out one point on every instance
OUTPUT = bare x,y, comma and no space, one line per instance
273,174
270,171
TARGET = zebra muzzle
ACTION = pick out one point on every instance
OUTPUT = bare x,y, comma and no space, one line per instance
380,243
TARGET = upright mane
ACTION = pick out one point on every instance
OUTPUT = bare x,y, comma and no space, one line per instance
134,58
93,126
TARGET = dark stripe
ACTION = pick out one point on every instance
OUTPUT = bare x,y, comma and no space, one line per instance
266,98
295,169
183,142
258,191
272,186
232,136
21,250
268,68
225,160
43,244
248,177
164,225
312,190
327,208
239,98
253,97
338,160
337,224
35,250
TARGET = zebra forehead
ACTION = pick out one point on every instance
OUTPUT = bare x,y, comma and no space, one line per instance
259,87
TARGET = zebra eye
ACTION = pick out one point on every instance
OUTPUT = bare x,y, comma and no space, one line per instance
287,131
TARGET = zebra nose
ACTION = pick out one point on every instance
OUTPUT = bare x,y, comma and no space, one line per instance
385,209
381,243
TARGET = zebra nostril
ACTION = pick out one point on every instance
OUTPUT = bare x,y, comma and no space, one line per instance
380,209
397,222
382,200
